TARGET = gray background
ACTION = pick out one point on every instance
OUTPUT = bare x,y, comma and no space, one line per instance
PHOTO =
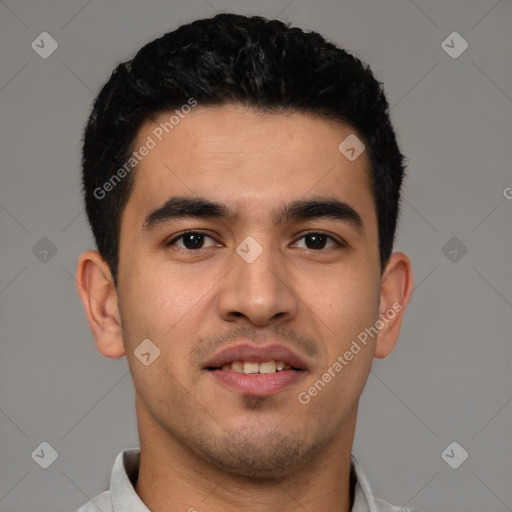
449,378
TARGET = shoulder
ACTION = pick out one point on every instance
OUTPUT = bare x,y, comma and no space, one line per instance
384,506
102,502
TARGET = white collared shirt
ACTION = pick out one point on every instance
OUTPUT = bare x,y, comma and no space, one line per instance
121,497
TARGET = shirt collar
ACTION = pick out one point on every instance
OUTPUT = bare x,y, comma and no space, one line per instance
126,471
363,497
124,476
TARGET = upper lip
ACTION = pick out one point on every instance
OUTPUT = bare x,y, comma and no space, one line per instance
257,354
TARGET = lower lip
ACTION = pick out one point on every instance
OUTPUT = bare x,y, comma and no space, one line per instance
256,384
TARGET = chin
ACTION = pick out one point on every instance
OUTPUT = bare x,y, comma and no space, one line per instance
258,455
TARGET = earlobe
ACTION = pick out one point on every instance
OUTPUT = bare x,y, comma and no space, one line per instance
98,293
396,290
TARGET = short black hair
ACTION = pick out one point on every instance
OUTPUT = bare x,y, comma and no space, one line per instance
233,59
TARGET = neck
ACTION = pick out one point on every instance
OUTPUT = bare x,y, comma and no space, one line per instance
173,478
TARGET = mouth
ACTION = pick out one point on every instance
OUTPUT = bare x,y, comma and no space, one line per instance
256,371
255,368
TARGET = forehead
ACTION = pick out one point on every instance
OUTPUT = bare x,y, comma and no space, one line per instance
249,160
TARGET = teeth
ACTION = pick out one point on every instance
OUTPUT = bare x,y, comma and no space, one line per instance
267,367
236,366
251,367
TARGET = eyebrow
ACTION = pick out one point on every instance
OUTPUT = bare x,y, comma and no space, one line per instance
183,207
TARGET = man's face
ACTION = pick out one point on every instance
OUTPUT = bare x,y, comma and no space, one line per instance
256,279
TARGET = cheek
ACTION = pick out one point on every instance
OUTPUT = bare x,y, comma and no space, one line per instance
347,300
346,307
168,309
157,301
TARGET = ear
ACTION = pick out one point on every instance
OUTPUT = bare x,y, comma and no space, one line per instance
99,296
396,290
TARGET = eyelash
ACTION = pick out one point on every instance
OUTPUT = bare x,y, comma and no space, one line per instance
170,243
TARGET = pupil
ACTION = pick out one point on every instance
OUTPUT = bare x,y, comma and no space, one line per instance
193,240
318,241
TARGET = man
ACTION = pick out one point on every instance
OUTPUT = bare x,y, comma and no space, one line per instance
242,181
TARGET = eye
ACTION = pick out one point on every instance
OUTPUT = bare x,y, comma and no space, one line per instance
195,240
191,240
317,240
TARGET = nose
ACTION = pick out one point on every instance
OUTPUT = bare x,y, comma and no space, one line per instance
259,291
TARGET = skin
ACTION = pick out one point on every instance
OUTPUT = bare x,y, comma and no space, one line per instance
203,445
